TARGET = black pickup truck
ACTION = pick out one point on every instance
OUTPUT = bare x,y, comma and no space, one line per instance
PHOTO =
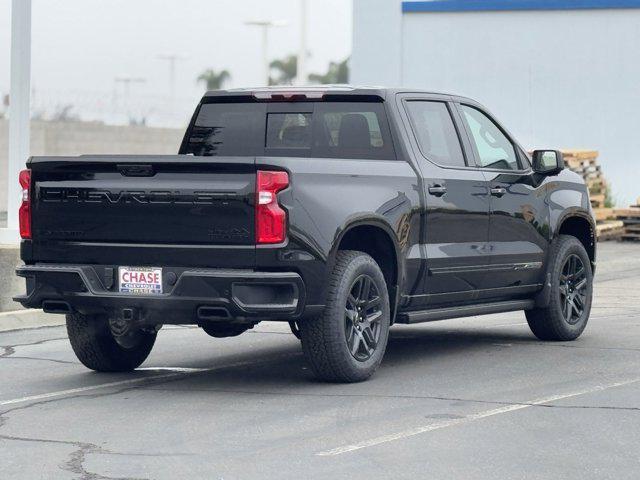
340,210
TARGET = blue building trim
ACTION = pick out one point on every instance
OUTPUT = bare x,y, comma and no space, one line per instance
505,5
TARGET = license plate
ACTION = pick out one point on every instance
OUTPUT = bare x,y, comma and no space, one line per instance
140,280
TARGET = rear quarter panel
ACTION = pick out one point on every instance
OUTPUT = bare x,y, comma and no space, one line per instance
328,196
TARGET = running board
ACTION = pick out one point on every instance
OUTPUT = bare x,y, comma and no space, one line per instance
463,311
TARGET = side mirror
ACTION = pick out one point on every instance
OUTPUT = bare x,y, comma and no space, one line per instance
547,161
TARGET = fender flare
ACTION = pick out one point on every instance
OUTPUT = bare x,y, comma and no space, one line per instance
543,297
574,212
376,222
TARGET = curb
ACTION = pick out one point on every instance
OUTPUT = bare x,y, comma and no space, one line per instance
24,319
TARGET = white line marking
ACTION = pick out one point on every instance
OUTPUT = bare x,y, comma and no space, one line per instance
503,325
176,372
172,369
19,313
468,419
71,391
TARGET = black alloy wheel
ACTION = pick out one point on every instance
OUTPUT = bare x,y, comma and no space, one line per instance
573,289
346,343
564,314
362,318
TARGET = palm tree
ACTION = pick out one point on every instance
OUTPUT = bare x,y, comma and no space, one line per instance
214,80
287,69
337,73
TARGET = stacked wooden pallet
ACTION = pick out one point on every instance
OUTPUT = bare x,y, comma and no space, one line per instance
610,230
585,163
630,218
608,227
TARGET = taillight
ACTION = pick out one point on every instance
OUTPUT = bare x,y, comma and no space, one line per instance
24,214
271,219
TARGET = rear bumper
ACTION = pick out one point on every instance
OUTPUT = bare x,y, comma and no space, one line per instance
190,295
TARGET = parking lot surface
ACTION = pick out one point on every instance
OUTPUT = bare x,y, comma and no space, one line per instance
475,398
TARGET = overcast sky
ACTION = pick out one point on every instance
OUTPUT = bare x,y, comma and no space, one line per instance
79,46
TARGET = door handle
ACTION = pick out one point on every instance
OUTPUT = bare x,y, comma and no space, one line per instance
437,190
498,191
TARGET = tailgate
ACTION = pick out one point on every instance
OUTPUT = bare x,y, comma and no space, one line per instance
175,200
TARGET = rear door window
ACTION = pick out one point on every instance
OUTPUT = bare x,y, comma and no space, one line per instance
322,129
435,132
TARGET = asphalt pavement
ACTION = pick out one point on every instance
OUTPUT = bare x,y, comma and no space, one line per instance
475,398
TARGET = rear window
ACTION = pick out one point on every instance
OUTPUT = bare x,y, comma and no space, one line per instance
320,129
289,130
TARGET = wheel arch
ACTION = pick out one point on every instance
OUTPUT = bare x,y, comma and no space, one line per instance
580,225
376,238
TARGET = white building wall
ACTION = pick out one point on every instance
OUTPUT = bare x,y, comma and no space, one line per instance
378,37
566,79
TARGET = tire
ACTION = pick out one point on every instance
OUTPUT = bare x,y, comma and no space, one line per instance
567,313
224,330
295,329
98,349
352,320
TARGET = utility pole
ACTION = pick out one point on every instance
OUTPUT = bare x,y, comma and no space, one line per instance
19,111
126,81
172,58
265,25
301,77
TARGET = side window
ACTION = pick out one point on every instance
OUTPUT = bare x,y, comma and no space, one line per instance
435,132
525,160
493,147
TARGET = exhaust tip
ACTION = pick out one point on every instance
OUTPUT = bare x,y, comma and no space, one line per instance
212,313
56,306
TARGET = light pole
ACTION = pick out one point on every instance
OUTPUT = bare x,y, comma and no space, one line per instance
301,76
19,112
126,81
172,58
265,25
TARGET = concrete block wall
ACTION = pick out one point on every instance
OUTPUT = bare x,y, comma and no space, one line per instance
10,284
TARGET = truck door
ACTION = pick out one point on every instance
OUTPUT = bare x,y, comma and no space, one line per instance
518,222
456,220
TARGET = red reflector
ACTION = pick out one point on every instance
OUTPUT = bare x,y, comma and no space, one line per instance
24,214
271,219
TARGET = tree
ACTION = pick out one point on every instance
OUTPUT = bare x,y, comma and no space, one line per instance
5,104
214,80
337,73
287,69
63,113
